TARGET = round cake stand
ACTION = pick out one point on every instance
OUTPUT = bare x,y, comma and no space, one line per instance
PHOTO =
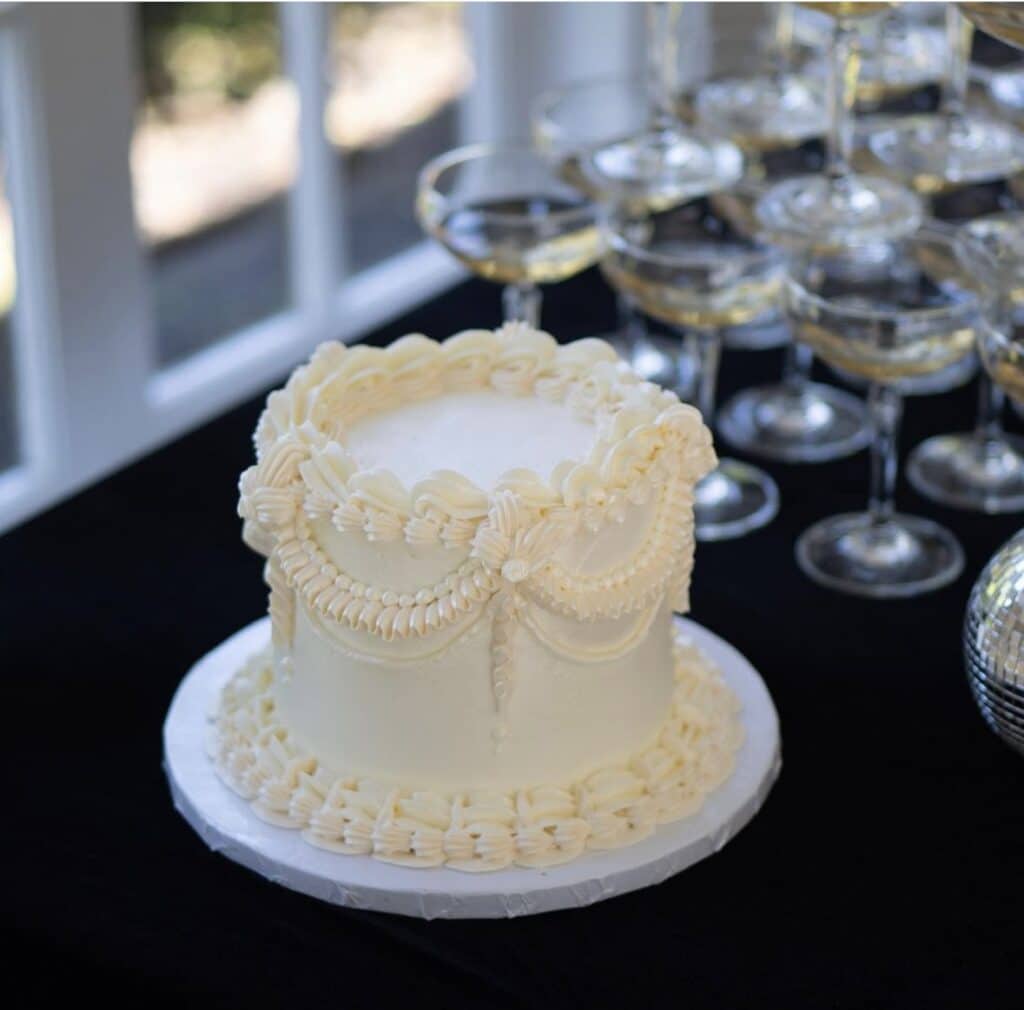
225,822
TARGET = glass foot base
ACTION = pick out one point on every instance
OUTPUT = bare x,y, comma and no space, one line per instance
904,556
660,168
810,423
816,210
732,500
970,473
760,336
937,151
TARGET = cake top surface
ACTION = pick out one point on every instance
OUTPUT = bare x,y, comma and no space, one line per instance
480,434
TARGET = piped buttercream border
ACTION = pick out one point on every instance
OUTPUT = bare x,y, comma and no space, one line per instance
303,464
693,753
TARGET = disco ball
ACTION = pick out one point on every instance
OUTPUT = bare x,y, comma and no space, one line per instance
994,642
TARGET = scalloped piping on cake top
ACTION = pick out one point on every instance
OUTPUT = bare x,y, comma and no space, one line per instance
299,436
692,753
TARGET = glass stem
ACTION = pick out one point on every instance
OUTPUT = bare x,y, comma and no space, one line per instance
959,35
662,61
783,41
522,302
630,322
842,93
894,38
885,406
709,355
988,427
796,368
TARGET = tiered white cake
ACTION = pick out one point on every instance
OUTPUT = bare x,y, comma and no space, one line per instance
474,549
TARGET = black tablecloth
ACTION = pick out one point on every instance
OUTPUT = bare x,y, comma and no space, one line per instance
884,870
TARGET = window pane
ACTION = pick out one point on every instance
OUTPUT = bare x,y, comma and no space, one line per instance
9,437
213,156
397,71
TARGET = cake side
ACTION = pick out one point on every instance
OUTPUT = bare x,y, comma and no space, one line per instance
430,721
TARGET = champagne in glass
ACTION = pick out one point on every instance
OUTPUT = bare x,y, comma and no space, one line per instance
903,63
848,10
1003,21
510,217
899,310
951,148
1002,353
902,57
541,239
841,206
753,90
683,267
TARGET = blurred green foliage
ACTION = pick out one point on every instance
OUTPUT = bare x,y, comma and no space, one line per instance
218,50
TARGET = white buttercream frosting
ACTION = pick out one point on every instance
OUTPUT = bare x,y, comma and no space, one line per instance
690,753
474,548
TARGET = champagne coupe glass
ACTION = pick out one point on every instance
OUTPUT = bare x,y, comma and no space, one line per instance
903,60
840,207
982,470
752,88
887,312
903,57
664,164
511,217
1004,21
566,124
777,117
686,268
935,152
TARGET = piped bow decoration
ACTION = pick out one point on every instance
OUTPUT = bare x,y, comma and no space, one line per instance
512,544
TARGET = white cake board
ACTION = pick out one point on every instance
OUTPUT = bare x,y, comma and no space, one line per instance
227,825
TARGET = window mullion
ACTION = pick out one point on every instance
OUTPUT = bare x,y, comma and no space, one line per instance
316,200
85,77
38,368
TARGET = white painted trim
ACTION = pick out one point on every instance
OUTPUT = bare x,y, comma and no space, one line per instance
87,81
20,493
315,202
38,373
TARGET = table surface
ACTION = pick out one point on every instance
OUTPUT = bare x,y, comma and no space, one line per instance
884,869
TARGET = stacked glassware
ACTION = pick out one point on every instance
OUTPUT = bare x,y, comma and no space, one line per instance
731,200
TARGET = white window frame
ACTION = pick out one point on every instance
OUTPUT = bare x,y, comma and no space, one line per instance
90,396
